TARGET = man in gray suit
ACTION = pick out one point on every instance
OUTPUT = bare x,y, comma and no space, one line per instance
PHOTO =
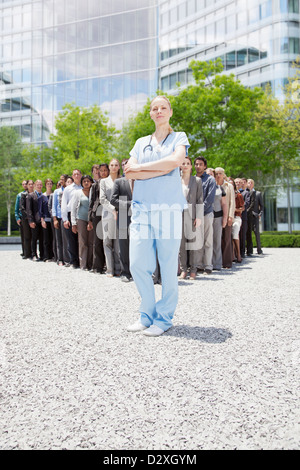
257,211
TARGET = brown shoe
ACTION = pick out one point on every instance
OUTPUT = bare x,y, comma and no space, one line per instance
193,276
183,275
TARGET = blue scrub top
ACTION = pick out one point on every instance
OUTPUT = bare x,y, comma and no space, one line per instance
162,192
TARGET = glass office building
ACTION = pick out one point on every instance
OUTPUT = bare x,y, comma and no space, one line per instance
257,40
88,52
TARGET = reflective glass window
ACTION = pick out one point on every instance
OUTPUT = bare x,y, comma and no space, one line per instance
242,19
173,80
37,66
70,64
70,11
116,28
242,57
48,98
104,61
129,55
48,13
182,11
254,14
104,28
210,34
105,86
36,98
191,7
70,92
165,83
93,91
129,85
253,55
220,30
173,15
58,96
182,77
231,23
116,58
94,8
81,60
81,92
59,10
117,88
230,60
265,9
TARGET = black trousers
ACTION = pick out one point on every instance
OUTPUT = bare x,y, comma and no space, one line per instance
249,235
37,239
27,238
255,228
98,251
48,241
72,244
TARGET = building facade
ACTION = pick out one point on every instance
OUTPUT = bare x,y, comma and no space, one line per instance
88,52
257,40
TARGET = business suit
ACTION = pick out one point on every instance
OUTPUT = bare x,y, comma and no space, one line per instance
121,199
250,223
192,237
256,213
25,225
33,216
243,232
226,243
95,216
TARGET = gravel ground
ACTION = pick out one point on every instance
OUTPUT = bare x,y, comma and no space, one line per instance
226,376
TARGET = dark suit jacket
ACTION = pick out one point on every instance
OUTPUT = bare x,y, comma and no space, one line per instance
32,208
258,206
94,200
122,196
252,201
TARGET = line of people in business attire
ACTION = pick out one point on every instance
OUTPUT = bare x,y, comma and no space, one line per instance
84,222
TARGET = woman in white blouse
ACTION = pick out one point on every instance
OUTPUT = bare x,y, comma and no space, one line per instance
109,221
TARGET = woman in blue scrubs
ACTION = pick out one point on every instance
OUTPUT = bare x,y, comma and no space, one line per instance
156,221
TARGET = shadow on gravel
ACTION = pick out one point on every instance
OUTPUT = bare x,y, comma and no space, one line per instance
198,333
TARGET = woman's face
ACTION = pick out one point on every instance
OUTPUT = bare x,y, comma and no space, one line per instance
86,183
160,111
49,185
69,181
30,186
186,166
103,172
114,167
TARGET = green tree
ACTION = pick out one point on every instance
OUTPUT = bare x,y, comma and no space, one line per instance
83,137
10,155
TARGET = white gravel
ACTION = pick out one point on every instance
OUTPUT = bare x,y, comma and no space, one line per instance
226,376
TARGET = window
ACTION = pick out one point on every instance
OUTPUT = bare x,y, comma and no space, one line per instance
242,57
165,83
289,6
230,60
265,9
173,80
253,55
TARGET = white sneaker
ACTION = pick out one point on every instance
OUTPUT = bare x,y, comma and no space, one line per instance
153,330
137,326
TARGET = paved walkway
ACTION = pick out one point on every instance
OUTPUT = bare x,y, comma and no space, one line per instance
226,376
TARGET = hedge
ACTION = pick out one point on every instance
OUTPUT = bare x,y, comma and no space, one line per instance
278,239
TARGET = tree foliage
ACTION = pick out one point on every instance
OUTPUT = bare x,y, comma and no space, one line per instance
83,137
10,154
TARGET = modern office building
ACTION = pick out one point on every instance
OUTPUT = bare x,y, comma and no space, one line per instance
257,40
87,52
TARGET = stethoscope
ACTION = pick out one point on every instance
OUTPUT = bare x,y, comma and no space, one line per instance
150,147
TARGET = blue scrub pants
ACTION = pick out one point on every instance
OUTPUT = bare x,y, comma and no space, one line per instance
150,233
